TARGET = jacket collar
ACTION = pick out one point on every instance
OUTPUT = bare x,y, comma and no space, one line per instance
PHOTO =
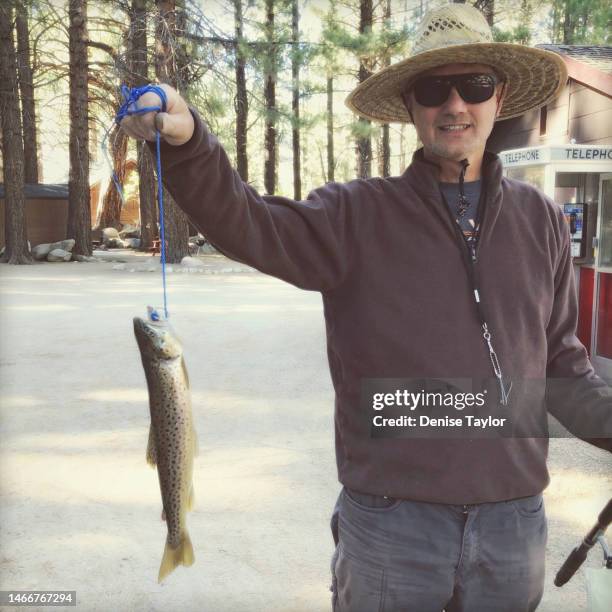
423,176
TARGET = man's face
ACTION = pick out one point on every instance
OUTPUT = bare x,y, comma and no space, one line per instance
455,145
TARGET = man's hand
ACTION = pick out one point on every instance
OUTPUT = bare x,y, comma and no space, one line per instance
175,125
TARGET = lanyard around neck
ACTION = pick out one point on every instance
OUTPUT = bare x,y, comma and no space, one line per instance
469,253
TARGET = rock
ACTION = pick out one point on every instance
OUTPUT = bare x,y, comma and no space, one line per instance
111,238
40,251
108,233
59,255
191,262
206,248
83,258
65,245
132,243
199,239
114,243
130,231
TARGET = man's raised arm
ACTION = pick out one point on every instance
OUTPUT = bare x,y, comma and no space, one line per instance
305,243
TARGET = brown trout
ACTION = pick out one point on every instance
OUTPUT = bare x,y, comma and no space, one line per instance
172,438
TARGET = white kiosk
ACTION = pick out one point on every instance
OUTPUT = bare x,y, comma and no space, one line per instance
579,179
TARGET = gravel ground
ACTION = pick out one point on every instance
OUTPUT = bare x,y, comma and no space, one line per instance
80,509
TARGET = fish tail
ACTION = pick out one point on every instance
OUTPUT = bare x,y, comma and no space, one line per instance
173,557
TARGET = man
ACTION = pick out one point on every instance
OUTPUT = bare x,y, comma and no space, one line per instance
450,271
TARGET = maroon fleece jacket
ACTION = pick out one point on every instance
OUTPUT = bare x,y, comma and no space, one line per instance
384,254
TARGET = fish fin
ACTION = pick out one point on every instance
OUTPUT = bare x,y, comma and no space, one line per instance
173,557
151,449
191,499
185,372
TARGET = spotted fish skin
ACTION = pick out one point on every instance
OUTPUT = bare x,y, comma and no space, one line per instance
172,439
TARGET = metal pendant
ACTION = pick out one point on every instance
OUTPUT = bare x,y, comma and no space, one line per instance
463,205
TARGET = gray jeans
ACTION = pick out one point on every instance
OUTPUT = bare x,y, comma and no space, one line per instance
406,556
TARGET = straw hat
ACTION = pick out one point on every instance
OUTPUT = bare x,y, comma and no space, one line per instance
459,33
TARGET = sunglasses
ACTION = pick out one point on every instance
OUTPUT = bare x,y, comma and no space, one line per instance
473,88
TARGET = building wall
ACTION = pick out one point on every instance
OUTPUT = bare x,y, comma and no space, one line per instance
578,112
590,115
46,220
130,211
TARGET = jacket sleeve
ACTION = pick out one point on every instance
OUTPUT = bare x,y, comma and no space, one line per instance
575,395
305,243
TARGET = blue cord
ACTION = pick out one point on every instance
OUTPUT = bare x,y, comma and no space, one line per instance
130,96
160,196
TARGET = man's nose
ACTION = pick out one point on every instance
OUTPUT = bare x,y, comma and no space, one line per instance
454,103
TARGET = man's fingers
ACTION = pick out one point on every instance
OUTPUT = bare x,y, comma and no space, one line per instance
175,126
176,129
149,100
159,122
134,128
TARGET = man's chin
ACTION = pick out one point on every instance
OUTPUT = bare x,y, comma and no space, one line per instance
451,152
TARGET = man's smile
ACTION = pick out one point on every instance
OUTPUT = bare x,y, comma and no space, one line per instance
455,127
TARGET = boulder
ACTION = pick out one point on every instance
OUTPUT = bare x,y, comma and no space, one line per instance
130,231
65,245
59,255
132,243
114,243
199,239
40,251
207,248
83,258
111,238
109,232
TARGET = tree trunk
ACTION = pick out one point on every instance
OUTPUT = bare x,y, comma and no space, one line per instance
330,128
295,102
364,143
568,37
79,212
138,78
15,237
270,102
487,8
175,220
147,191
241,105
112,200
26,87
384,167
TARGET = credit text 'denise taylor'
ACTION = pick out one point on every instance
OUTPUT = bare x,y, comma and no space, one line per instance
409,400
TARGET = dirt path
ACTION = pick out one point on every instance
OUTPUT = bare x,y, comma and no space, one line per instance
80,508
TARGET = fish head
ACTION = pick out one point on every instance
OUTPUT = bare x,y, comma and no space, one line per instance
156,339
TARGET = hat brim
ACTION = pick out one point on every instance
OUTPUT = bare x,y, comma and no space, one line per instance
533,77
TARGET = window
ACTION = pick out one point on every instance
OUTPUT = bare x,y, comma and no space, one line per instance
534,175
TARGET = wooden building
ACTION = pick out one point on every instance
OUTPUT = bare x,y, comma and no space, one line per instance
46,211
565,149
